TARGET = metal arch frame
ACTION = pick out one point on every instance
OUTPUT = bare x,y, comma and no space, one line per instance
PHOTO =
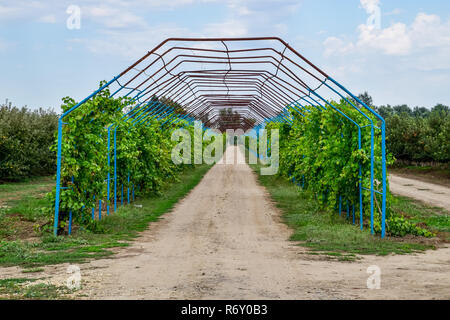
254,93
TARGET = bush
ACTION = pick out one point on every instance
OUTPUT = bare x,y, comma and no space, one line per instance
419,135
25,140
144,162
321,150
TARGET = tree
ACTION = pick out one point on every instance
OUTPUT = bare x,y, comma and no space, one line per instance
366,98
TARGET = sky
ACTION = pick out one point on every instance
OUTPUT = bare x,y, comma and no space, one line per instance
397,50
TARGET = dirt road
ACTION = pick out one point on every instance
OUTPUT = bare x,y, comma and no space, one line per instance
225,241
429,193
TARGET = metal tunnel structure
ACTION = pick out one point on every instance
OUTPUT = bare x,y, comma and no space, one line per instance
261,80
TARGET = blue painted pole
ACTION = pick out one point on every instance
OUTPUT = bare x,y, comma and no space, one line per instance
122,196
348,210
115,171
93,210
58,178
99,209
340,205
70,222
384,173
109,172
360,185
128,187
70,217
372,193
353,209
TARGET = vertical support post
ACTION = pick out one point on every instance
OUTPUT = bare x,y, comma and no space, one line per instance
353,209
109,172
340,205
121,201
93,210
372,191
70,223
58,179
128,187
360,184
384,173
99,209
70,216
348,210
115,171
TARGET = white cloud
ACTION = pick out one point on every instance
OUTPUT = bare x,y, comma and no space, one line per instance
231,28
394,12
111,17
130,45
19,8
337,46
47,19
393,40
426,33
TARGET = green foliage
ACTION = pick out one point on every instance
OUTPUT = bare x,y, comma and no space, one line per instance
143,155
399,226
25,139
322,149
418,135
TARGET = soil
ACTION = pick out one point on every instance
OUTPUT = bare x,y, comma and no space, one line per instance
430,193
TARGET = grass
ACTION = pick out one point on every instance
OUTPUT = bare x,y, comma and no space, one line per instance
113,231
436,219
330,234
24,288
20,207
30,186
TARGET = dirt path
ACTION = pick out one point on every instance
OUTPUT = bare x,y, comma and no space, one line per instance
225,241
429,193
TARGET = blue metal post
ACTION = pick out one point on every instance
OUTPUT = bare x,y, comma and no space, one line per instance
128,187
58,177
384,173
99,209
109,172
70,216
348,210
372,191
93,210
115,171
353,209
360,184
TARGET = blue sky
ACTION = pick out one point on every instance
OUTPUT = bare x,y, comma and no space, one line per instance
407,60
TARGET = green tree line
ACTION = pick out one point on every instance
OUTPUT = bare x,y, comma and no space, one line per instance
25,139
416,135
